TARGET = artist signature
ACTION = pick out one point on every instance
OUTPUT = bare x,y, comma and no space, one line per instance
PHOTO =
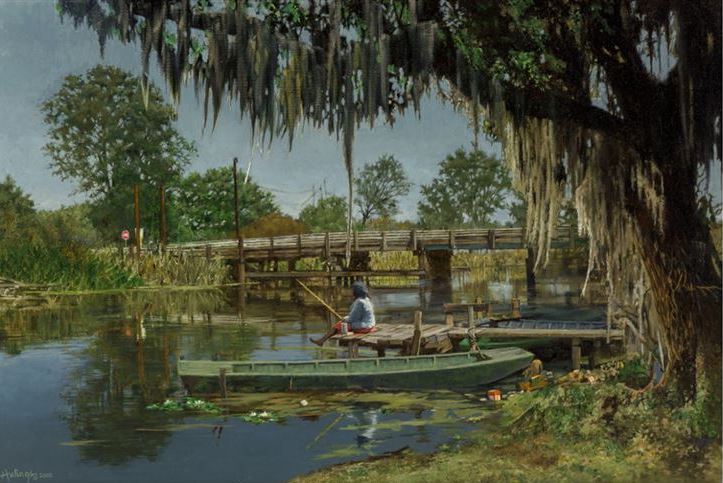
16,474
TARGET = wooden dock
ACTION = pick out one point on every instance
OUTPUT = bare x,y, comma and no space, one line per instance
418,338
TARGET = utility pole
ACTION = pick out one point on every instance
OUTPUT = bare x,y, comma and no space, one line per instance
137,213
241,268
163,235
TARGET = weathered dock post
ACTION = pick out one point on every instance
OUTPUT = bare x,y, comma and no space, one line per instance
530,270
575,353
449,319
594,356
222,382
516,313
417,337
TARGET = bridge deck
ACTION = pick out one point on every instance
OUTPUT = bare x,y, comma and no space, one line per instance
331,244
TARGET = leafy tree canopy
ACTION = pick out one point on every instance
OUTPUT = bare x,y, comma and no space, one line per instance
204,203
469,189
327,214
16,207
379,186
107,133
274,224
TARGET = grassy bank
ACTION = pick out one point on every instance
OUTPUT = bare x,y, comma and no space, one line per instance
579,432
69,267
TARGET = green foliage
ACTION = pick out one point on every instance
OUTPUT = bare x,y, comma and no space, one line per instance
469,189
517,210
274,224
181,270
204,203
385,223
107,134
379,186
327,214
54,247
16,207
621,419
69,224
70,266
634,373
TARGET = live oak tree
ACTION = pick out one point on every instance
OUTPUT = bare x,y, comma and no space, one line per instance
614,103
107,133
379,185
469,189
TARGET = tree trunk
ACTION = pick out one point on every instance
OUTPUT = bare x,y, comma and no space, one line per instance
681,262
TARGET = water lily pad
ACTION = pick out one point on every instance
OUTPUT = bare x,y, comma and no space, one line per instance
259,417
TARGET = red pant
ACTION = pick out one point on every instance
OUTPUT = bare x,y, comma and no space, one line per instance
337,327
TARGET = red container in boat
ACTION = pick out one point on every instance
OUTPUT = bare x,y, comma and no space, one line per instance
494,395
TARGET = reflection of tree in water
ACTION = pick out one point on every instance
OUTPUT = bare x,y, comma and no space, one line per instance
123,372
20,329
129,362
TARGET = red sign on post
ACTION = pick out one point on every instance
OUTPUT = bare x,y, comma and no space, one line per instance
125,235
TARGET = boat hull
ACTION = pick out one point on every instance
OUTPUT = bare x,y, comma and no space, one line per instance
446,371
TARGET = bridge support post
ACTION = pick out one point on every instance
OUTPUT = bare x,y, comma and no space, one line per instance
437,265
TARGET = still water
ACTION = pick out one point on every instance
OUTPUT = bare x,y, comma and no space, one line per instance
75,380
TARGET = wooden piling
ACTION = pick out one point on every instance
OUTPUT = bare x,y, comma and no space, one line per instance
417,337
137,216
516,308
594,356
470,316
575,354
241,264
222,382
449,319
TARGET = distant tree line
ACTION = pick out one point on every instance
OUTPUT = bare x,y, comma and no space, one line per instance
107,134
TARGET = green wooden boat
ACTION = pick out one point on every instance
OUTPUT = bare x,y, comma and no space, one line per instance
450,371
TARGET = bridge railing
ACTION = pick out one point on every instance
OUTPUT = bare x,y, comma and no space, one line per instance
334,243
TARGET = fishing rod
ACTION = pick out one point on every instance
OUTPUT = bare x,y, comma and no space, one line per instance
333,312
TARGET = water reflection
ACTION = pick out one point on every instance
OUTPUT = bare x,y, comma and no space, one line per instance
111,356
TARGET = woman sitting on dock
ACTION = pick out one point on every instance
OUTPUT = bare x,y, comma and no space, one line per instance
361,315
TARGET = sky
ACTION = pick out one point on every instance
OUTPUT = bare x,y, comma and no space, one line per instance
37,50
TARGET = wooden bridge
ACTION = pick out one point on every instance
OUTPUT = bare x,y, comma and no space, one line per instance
329,245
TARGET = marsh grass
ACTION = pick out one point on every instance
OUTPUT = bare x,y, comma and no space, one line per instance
67,266
173,269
